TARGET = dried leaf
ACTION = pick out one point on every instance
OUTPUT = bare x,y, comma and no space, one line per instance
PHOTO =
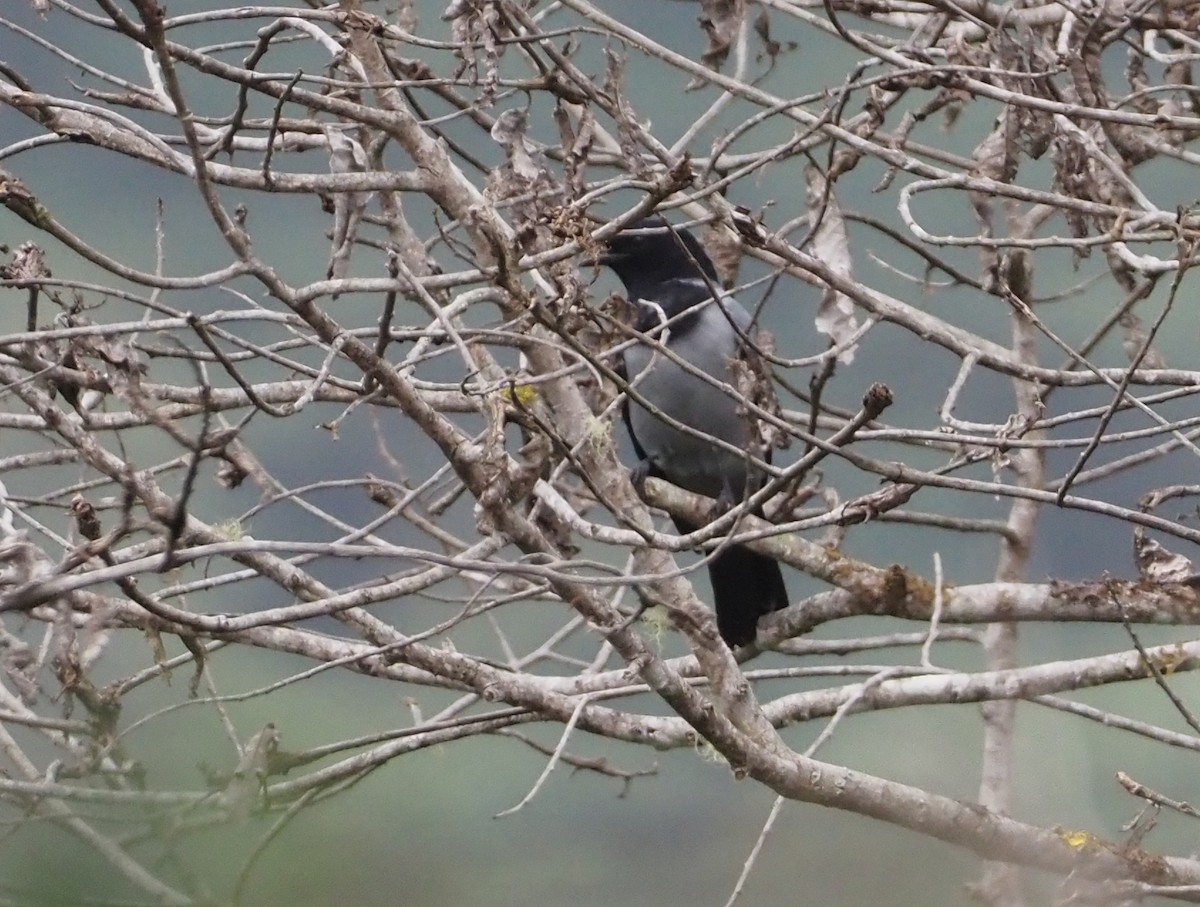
159,652
577,131
629,130
242,792
509,133
1158,564
1135,339
345,156
17,198
458,8
772,48
762,28
724,250
836,318
492,28
20,562
405,17
994,158
1071,169
86,520
477,25
752,379
509,128
112,350
720,20
28,263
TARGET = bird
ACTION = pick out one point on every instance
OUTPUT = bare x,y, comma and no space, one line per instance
667,277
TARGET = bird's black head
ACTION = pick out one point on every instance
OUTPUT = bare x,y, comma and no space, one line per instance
650,252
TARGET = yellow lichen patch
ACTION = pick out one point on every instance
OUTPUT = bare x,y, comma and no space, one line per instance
656,622
707,751
523,394
1167,662
229,530
1082,841
600,433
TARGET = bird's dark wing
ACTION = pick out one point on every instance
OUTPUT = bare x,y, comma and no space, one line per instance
643,469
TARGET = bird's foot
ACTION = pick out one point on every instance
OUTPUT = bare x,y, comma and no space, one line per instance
638,476
724,502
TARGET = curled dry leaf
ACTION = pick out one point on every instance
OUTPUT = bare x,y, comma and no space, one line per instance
629,130
1136,339
535,192
720,20
120,355
577,131
836,317
509,128
405,17
17,198
1071,168
457,8
724,250
752,378
993,158
1160,565
345,156
509,133
762,28
86,520
245,785
28,263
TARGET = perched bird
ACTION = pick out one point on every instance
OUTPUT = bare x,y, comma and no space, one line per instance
667,276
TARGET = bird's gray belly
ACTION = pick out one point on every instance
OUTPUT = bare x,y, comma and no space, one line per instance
684,459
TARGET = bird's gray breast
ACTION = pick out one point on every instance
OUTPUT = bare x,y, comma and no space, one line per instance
709,343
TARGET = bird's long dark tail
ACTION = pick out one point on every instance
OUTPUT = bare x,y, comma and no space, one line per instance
746,585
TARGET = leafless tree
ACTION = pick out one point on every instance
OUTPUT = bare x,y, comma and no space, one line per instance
978,212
